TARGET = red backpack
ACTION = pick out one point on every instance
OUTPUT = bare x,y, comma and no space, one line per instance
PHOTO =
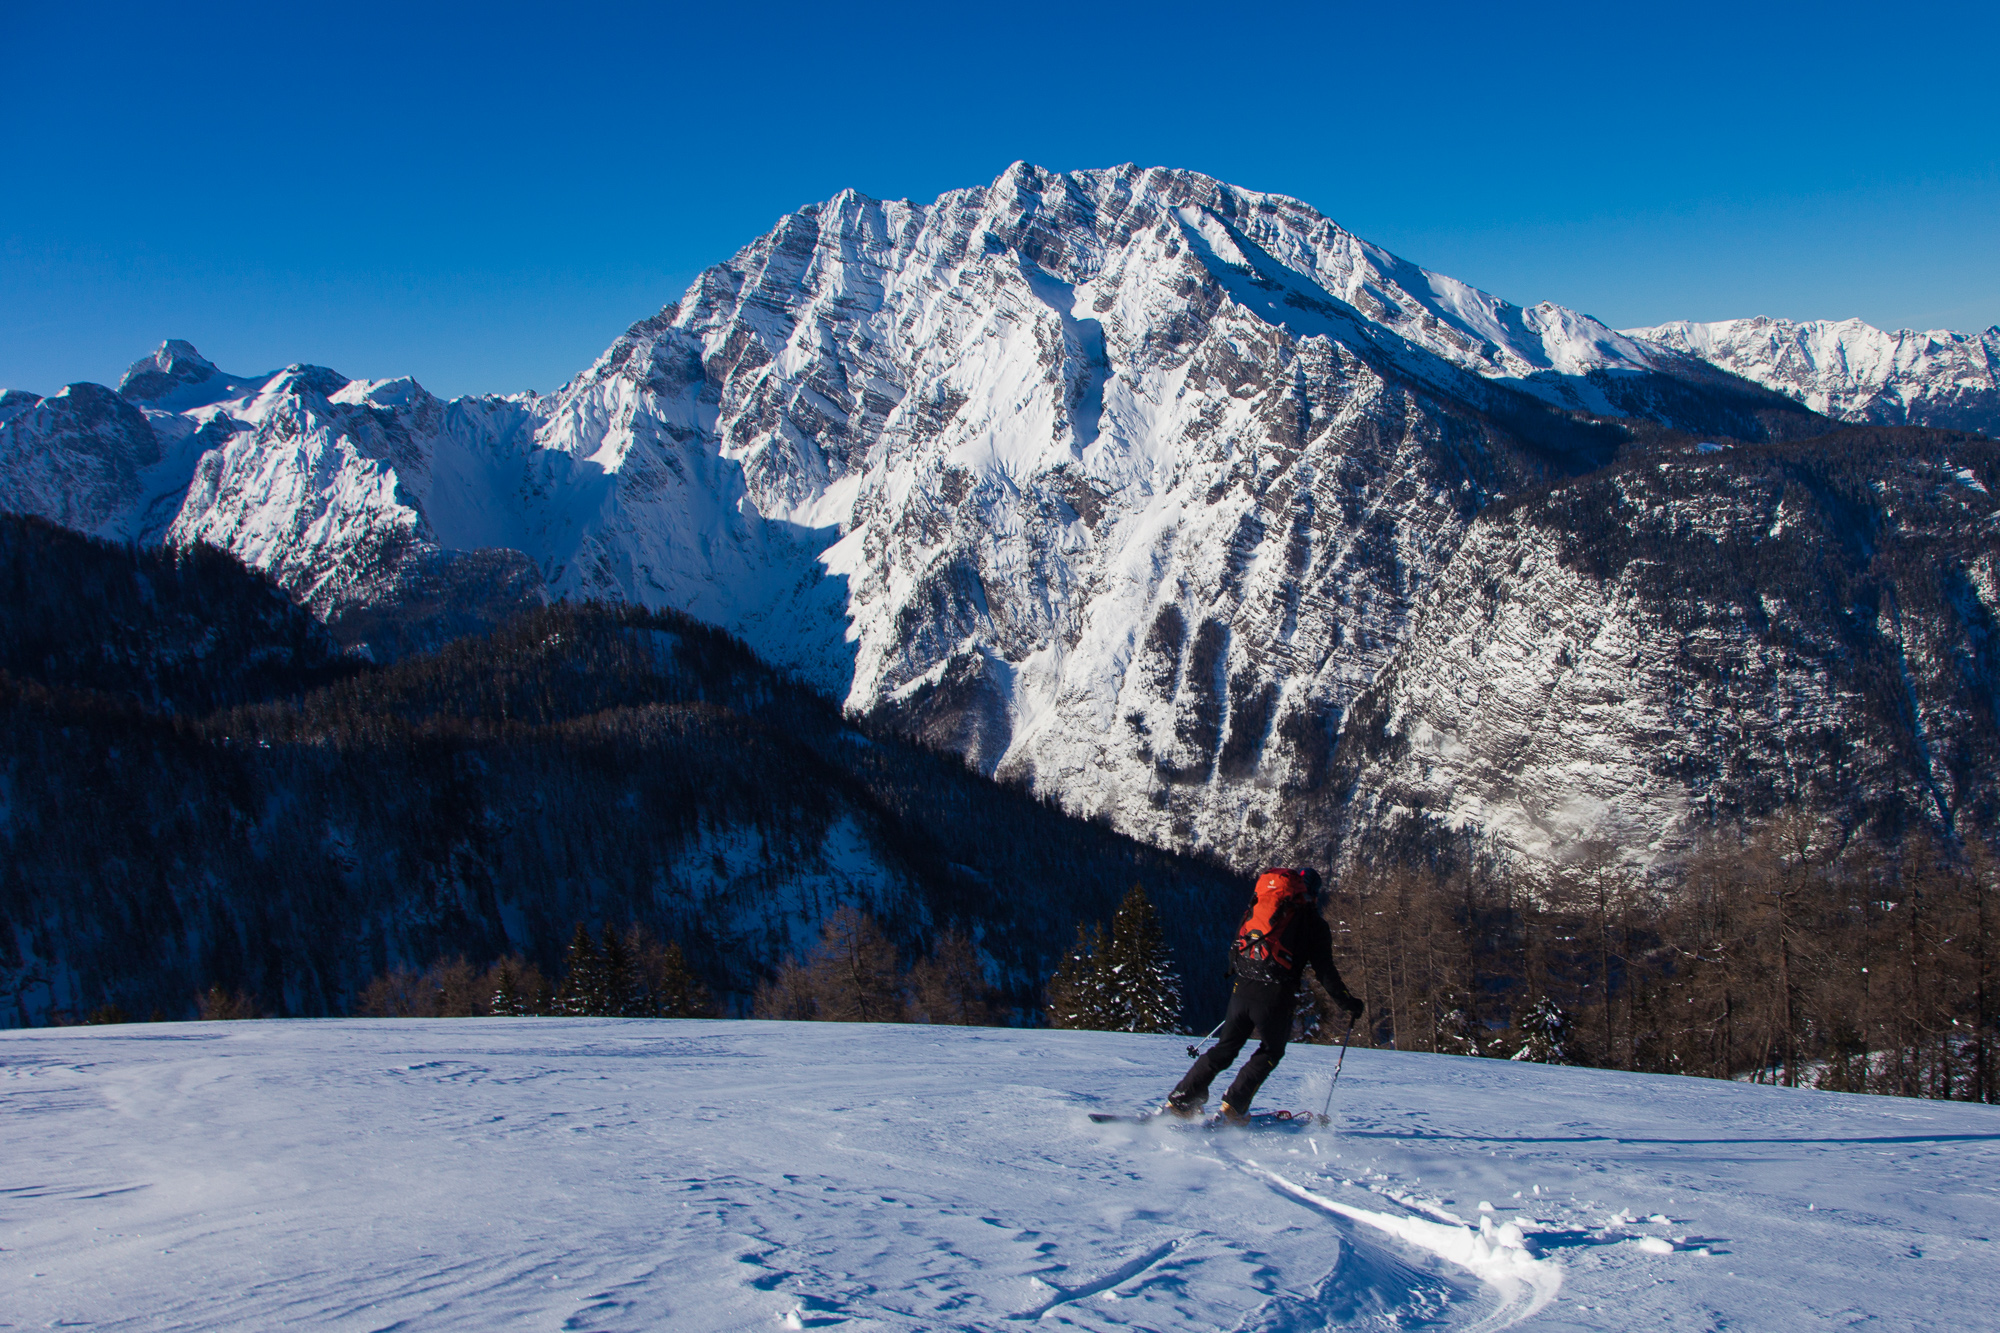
1259,953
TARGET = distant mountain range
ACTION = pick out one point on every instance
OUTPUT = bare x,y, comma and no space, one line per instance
1855,372
1183,506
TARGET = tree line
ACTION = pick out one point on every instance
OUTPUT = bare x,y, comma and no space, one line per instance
852,975
614,974
1787,954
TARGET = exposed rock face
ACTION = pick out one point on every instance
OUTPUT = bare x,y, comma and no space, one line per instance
76,457
1625,658
1855,372
1126,483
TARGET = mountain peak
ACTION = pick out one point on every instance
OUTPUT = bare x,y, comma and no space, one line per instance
174,367
13,402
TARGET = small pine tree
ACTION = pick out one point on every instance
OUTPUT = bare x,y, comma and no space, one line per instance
1458,1034
582,992
517,988
677,991
1142,987
508,1002
1076,996
663,985
620,997
1546,1032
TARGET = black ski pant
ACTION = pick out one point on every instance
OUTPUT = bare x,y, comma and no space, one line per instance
1254,1006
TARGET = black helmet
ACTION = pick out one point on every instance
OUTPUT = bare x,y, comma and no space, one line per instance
1311,877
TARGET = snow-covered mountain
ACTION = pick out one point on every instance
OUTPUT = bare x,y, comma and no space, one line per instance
1853,371
1128,484
327,484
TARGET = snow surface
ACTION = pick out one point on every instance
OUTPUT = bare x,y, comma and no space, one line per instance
607,1174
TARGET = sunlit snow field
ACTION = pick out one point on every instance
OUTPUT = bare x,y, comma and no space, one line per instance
608,1174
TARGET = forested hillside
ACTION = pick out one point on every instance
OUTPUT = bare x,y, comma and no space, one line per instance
582,764
181,630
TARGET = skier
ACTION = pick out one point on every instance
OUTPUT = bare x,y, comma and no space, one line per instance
1281,935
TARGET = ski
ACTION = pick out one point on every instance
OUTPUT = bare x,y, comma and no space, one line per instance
1257,1120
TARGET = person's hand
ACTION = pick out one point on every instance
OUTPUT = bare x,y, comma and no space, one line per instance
1353,1008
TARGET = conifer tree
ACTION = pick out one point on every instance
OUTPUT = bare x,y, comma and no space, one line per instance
620,985
582,993
1142,988
517,988
1076,991
663,985
678,992
1457,1033
1546,1029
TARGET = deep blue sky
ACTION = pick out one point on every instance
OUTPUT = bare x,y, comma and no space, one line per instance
484,195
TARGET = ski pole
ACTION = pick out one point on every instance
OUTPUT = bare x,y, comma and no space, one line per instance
1326,1115
1194,1054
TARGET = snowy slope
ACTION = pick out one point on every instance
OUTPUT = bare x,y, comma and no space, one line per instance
609,1175
1854,371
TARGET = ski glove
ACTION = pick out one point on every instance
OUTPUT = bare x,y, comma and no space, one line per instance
1352,1006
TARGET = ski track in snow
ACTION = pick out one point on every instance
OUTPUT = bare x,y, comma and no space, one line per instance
614,1175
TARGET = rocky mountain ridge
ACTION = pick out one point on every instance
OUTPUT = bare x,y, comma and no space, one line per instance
1855,372
1129,485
